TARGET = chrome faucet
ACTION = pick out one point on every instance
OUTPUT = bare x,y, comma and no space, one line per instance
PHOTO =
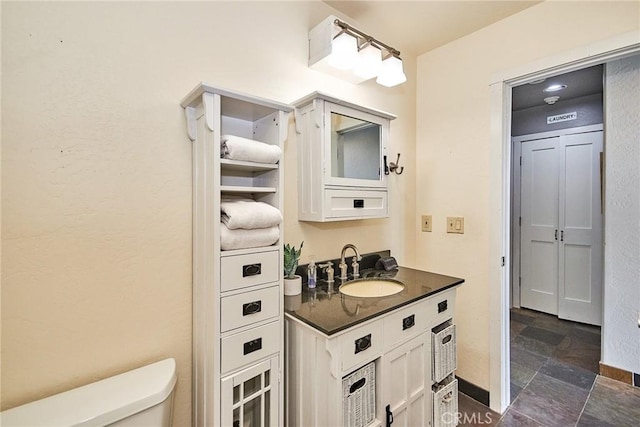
328,268
354,262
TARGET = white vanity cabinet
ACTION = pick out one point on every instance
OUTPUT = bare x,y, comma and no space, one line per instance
341,159
399,345
238,320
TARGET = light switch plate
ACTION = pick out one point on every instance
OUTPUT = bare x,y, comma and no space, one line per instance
426,222
455,224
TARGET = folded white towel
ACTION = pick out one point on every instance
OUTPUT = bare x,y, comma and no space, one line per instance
243,239
248,214
238,148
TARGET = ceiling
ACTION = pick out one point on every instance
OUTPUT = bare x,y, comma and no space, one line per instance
416,27
587,81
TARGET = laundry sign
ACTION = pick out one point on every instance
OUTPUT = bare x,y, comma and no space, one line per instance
562,118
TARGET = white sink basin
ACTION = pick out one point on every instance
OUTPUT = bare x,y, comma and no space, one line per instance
371,288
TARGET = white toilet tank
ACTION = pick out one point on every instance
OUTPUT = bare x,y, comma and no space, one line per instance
139,398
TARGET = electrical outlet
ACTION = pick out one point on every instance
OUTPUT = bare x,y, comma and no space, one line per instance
455,224
426,222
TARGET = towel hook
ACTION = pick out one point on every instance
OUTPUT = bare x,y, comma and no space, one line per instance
395,167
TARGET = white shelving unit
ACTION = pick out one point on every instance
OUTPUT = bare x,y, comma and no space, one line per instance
237,295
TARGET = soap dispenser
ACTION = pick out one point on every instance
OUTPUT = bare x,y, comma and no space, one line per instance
311,275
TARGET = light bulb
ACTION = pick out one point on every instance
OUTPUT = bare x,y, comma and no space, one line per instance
344,52
369,62
391,73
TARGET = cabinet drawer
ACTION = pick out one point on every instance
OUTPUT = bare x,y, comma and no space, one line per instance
441,307
361,345
405,323
249,346
239,271
249,307
355,203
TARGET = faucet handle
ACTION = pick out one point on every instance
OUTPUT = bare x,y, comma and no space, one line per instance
356,267
328,268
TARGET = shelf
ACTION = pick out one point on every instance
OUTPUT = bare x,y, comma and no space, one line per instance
237,165
238,189
233,252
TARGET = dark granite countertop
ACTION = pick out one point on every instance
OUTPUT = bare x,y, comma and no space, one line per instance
328,311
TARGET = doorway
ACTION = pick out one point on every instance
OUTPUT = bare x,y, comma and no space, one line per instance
500,196
556,198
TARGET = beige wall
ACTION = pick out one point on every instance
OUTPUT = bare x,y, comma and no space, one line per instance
96,175
454,153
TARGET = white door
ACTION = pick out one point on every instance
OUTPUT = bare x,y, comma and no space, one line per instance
539,230
406,383
561,232
580,250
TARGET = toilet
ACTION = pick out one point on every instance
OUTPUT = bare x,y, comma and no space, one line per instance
139,398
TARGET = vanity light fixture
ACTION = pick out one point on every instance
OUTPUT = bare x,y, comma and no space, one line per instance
554,88
369,62
341,50
344,51
391,73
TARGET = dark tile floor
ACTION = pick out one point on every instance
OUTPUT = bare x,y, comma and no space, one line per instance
554,381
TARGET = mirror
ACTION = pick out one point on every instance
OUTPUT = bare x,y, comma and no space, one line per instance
355,148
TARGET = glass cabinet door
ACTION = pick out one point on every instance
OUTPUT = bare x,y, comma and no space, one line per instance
250,397
356,149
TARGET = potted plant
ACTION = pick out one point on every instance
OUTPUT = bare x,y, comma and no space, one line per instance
292,282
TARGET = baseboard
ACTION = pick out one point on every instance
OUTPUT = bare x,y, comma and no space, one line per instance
473,391
619,374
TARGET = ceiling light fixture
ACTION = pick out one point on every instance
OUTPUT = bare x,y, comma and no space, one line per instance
339,49
554,88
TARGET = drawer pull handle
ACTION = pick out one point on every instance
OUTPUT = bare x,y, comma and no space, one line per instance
358,203
446,339
251,270
357,385
442,306
253,345
389,417
251,308
363,343
408,322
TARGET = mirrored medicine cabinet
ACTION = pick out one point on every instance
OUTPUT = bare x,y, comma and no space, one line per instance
341,149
